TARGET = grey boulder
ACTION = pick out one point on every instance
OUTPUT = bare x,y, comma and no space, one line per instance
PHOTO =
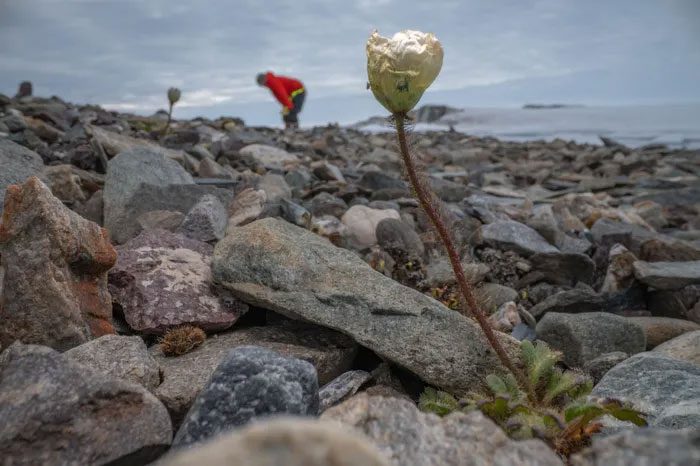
18,163
251,382
583,337
278,266
56,411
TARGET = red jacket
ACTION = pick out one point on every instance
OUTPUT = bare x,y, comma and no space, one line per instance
283,87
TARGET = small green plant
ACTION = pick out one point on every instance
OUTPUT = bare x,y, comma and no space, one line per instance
173,98
554,406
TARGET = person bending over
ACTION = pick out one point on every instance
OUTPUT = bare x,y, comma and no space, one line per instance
289,92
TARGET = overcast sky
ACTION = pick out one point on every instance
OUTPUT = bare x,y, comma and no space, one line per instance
125,54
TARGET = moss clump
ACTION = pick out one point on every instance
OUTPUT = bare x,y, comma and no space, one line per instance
181,340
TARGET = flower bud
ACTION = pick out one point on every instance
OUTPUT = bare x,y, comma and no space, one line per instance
173,95
400,69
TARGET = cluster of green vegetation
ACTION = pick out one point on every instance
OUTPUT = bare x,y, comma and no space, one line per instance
553,406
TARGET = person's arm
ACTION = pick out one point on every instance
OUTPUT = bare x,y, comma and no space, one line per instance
280,93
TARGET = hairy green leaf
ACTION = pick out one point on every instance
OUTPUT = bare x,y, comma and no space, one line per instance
438,402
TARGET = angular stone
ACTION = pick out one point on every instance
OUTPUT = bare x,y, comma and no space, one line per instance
509,235
115,143
119,356
56,411
206,221
492,295
585,336
570,301
648,447
268,156
327,204
160,220
185,376
664,388
275,187
409,437
328,172
287,441
163,280
564,268
661,329
361,223
246,207
342,387
18,163
278,266
685,347
125,174
55,264
249,383
667,275
619,274
399,239
600,365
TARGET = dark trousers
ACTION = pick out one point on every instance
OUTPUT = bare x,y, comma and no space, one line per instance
292,118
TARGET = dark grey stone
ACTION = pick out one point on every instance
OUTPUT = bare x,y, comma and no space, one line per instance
56,411
206,221
125,174
570,301
667,275
342,387
665,388
585,336
509,235
597,367
327,204
398,239
250,383
647,447
564,268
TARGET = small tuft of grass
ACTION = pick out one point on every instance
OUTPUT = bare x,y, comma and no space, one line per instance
181,340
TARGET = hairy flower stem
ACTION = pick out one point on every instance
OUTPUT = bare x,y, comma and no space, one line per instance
170,118
469,304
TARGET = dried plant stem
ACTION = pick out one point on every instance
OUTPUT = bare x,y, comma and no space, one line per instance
170,118
469,303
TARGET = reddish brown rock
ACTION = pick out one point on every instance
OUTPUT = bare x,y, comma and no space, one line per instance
55,265
163,280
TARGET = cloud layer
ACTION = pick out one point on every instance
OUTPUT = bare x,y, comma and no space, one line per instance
125,54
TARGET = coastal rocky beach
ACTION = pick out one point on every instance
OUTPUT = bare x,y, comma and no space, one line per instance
191,296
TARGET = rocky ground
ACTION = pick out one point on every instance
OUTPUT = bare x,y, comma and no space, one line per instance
323,292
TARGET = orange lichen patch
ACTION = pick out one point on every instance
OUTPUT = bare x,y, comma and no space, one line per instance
95,305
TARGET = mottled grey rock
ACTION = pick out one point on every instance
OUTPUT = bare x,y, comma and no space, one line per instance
509,235
55,271
160,220
399,239
123,357
295,213
667,275
18,163
56,411
342,387
328,172
249,383
185,376
685,347
267,156
562,268
163,280
327,204
598,366
585,336
114,144
281,267
287,441
661,329
275,187
439,272
492,295
409,437
125,174
206,221
647,447
570,301
607,231
657,385
447,190
375,180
